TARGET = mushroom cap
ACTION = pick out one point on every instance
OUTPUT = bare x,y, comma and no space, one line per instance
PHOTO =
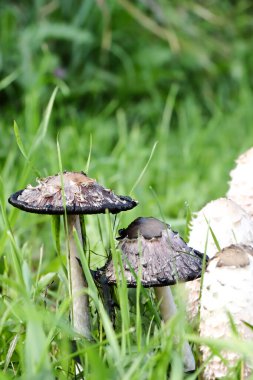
227,288
163,257
228,221
241,183
230,224
83,195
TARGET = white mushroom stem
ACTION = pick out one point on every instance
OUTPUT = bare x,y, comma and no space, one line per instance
80,307
168,309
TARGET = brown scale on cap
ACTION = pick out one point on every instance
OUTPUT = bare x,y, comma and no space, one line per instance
163,256
83,195
234,256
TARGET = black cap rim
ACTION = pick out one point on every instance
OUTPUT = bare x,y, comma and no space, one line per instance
72,210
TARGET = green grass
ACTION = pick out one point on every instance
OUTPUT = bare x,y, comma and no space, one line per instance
144,117
35,332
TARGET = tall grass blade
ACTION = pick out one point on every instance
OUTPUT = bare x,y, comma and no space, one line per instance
188,221
19,141
168,109
42,130
56,225
213,235
23,150
36,353
89,156
5,82
121,288
11,350
93,293
145,168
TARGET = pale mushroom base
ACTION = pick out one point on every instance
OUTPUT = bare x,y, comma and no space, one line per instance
80,302
168,309
227,288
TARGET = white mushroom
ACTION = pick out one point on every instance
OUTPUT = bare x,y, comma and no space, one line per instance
230,224
221,295
241,184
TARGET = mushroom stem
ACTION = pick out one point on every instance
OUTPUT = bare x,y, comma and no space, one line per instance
80,307
168,309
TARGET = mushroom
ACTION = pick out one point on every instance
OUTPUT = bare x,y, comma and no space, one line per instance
229,224
164,258
77,194
227,292
241,184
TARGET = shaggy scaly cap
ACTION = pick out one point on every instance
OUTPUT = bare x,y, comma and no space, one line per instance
230,224
241,184
82,195
162,255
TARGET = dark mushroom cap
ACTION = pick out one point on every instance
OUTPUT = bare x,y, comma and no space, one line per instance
162,254
149,228
83,195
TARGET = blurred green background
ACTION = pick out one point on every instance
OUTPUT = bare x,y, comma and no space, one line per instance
130,74
157,93
145,82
